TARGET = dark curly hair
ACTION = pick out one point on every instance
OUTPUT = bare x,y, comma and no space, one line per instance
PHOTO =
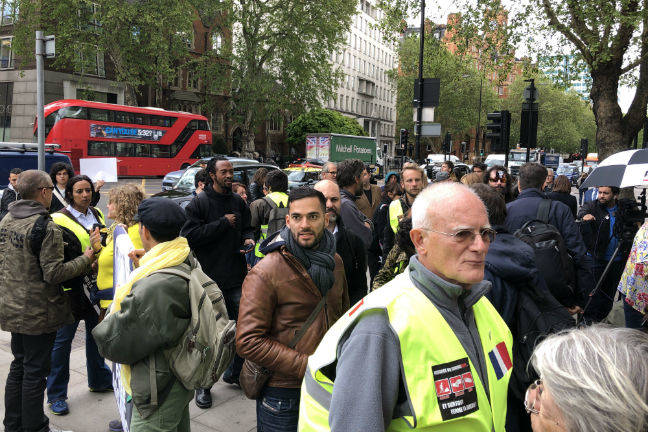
60,166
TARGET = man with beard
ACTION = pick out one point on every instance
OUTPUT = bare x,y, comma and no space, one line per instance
348,245
412,182
599,217
219,233
350,177
499,179
298,289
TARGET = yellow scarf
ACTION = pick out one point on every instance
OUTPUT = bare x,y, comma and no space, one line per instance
163,255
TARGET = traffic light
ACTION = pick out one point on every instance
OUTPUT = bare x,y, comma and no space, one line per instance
463,147
499,130
447,143
584,148
404,137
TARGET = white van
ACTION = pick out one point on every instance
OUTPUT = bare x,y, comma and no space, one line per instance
494,159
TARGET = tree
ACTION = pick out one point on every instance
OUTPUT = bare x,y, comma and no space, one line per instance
280,57
144,39
321,120
610,38
460,87
564,118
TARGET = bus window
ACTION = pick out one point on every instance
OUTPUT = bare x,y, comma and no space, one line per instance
125,149
162,121
74,112
124,117
140,119
203,125
101,148
142,150
100,114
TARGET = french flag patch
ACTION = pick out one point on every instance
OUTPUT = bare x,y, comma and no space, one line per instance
500,360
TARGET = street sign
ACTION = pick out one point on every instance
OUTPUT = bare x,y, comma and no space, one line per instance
431,129
431,92
50,46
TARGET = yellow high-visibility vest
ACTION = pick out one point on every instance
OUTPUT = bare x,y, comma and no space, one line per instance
445,392
395,213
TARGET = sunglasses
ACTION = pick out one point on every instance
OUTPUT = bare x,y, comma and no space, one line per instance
468,236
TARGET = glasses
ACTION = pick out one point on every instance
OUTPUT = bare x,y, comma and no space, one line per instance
47,187
533,406
468,236
498,180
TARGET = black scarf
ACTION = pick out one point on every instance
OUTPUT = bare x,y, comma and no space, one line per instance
319,262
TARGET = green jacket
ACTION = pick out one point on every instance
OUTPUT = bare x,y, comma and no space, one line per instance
395,264
152,318
32,301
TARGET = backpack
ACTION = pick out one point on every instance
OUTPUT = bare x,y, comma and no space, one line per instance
71,247
206,348
277,217
537,315
551,256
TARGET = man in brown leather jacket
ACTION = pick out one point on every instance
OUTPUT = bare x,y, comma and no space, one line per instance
300,268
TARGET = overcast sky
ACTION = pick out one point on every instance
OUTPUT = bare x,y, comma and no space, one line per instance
438,10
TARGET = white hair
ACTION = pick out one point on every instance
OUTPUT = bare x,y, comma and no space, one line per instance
598,377
434,200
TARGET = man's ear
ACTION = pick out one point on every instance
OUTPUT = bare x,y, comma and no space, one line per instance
416,235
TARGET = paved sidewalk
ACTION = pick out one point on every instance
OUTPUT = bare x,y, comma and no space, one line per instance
91,412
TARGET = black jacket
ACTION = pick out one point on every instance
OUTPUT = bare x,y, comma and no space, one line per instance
215,242
568,199
381,221
525,208
596,233
388,235
8,196
354,218
354,256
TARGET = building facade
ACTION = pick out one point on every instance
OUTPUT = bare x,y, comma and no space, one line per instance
366,93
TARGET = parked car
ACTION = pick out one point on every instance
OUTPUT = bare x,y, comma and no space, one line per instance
172,178
303,176
570,171
182,192
25,157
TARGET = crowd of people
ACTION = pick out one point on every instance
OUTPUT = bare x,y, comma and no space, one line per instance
463,304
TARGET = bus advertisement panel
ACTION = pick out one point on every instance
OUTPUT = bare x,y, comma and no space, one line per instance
145,141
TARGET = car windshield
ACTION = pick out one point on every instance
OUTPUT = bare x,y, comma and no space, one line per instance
296,176
186,182
565,169
492,162
520,156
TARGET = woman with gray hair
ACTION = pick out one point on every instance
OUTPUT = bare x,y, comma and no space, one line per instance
592,380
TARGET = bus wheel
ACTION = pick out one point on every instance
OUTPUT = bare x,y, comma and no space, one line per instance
184,166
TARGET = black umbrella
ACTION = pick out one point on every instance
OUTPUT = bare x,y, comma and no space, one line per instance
624,169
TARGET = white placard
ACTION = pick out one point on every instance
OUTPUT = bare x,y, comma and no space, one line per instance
100,169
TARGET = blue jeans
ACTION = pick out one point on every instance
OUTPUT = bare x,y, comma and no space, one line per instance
633,318
232,300
278,410
99,375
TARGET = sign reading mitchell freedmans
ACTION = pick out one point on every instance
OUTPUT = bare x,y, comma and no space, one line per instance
105,131
337,147
341,148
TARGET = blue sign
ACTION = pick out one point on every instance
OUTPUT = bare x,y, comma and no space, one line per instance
106,131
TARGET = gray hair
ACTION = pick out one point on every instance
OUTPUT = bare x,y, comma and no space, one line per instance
433,200
30,182
597,377
326,168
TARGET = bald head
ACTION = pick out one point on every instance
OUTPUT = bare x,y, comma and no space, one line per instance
331,192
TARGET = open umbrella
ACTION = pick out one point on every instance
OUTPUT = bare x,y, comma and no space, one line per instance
624,169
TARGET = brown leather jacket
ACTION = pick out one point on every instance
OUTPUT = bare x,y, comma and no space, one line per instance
277,298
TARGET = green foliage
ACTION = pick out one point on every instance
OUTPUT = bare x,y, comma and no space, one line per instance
460,87
281,55
145,39
563,117
219,146
321,121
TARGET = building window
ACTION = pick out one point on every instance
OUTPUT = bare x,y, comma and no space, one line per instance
192,81
9,11
91,61
217,42
6,55
274,124
500,90
216,122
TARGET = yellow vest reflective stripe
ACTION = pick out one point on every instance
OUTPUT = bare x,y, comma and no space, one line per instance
416,322
278,198
78,230
395,212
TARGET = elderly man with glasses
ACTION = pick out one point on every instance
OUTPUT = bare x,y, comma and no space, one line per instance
329,171
426,350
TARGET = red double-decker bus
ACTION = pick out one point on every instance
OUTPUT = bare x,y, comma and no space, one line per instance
145,141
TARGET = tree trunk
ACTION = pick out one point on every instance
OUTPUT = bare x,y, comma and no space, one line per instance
610,136
248,136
